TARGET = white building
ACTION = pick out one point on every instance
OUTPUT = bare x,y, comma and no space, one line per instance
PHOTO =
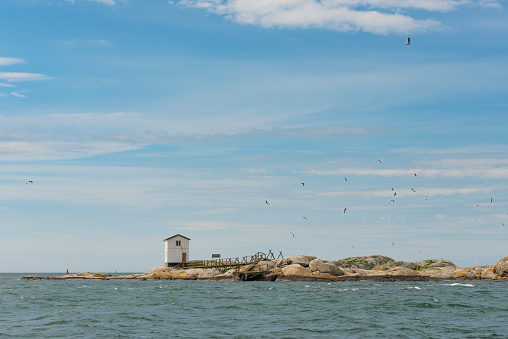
177,249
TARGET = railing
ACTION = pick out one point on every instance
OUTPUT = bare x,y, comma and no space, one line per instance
229,263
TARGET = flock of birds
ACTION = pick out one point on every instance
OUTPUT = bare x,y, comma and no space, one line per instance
393,189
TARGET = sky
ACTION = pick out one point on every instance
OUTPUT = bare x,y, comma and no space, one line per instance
136,120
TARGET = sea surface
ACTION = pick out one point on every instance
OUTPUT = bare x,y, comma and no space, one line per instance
206,309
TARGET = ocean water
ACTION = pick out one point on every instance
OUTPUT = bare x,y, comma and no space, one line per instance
206,309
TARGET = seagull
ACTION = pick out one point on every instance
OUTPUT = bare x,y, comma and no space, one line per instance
266,202
415,174
345,178
408,41
490,199
393,244
477,205
502,223
413,190
425,198
29,181
394,193
345,209
292,234
393,189
305,218
381,161
392,200
303,184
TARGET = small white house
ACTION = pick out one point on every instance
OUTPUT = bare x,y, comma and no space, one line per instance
177,249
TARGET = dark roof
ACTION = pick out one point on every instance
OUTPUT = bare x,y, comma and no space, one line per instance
176,235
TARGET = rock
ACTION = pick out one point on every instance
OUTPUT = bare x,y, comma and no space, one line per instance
296,270
501,268
405,264
325,266
31,277
488,273
302,260
429,263
366,262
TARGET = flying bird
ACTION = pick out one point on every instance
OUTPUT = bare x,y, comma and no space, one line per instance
415,174
345,209
408,41
413,190
490,199
477,205
305,218
394,193
303,184
292,234
502,223
345,179
29,181
381,160
393,244
425,198
392,200
266,202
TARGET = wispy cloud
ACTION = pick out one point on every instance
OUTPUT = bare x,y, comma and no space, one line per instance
6,85
17,95
489,4
19,76
374,16
104,2
5,61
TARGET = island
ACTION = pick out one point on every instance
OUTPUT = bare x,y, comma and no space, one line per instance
310,268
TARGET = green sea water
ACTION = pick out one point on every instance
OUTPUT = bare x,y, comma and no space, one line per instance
205,309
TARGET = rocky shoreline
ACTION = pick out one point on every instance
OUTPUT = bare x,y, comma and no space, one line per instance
309,268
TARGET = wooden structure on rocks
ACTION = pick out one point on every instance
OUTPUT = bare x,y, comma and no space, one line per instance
245,263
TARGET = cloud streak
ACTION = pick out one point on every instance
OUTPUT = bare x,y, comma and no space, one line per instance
19,76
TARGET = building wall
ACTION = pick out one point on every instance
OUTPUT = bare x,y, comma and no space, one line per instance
173,253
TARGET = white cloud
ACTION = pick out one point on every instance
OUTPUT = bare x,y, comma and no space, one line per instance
6,85
105,2
374,16
18,76
4,61
17,95
489,4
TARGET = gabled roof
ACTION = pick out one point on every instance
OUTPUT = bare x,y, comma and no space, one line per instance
176,235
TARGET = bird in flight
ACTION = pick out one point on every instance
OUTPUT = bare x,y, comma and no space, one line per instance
392,200
305,218
502,223
345,209
394,193
408,41
29,182
477,205
425,198
393,244
266,202
413,190
490,199
292,234
345,179
381,160
303,184
415,174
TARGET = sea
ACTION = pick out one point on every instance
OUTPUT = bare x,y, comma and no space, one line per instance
212,309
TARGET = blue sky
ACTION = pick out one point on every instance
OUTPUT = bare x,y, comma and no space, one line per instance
137,120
